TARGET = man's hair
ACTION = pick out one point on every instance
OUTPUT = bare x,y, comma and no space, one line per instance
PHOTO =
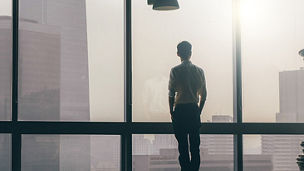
184,49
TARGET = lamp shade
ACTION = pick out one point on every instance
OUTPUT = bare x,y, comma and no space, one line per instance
150,2
301,52
164,5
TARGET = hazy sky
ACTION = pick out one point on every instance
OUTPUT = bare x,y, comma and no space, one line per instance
272,35
207,25
105,31
271,38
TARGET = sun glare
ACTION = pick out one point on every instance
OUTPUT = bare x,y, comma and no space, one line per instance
251,11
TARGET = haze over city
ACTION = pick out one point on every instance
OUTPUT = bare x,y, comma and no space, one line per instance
272,35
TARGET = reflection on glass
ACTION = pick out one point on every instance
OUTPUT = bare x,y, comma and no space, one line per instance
159,152
278,152
70,152
273,79
5,59
5,152
71,67
207,25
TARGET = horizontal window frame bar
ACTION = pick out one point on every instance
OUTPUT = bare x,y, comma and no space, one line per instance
122,128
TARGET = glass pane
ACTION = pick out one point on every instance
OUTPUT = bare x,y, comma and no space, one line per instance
159,152
5,152
207,25
272,152
71,66
5,59
273,75
70,152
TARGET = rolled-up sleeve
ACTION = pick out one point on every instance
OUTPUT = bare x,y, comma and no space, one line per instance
172,84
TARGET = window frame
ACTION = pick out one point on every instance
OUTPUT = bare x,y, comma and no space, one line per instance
127,128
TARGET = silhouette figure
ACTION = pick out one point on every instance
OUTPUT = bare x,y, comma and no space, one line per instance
187,96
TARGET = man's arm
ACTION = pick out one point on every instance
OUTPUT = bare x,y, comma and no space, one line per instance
203,94
202,103
171,88
171,104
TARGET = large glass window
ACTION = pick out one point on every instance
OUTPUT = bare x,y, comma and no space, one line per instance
207,24
73,57
159,152
70,152
273,77
272,152
5,152
71,60
5,59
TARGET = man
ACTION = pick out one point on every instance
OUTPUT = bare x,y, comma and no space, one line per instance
187,96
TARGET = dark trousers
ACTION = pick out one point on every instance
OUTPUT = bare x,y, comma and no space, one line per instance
186,123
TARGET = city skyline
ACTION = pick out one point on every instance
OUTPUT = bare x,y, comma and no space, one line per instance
80,69
217,103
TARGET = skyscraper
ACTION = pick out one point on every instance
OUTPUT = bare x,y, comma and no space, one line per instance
285,148
5,67
53,81
54,56
291,96
218,144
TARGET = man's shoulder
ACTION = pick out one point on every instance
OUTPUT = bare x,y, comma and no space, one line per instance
177,67
198,68
181,66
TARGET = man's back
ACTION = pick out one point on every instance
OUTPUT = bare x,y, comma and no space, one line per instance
187,88
187,80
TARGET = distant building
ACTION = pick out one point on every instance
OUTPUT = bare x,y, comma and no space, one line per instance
218,144
5,87
5,67
141,145
53,59
222,118
5,155
53,81
167,160
39,71
164,141
285,148
291,96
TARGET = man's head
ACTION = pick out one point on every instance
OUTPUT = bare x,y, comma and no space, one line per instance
184,50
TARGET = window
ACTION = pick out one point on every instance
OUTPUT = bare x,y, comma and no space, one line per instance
70,152
71,67
272,152
159,152
91,83
5,59
207,24
5,152
273,71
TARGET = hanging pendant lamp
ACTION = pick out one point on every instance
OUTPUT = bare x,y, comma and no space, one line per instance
150,2
164,5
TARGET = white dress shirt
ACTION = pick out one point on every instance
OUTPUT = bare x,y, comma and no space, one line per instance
187,83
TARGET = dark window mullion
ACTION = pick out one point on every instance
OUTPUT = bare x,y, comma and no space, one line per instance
16,136
237,84
126,137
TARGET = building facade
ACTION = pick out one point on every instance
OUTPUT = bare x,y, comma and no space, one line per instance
285,148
